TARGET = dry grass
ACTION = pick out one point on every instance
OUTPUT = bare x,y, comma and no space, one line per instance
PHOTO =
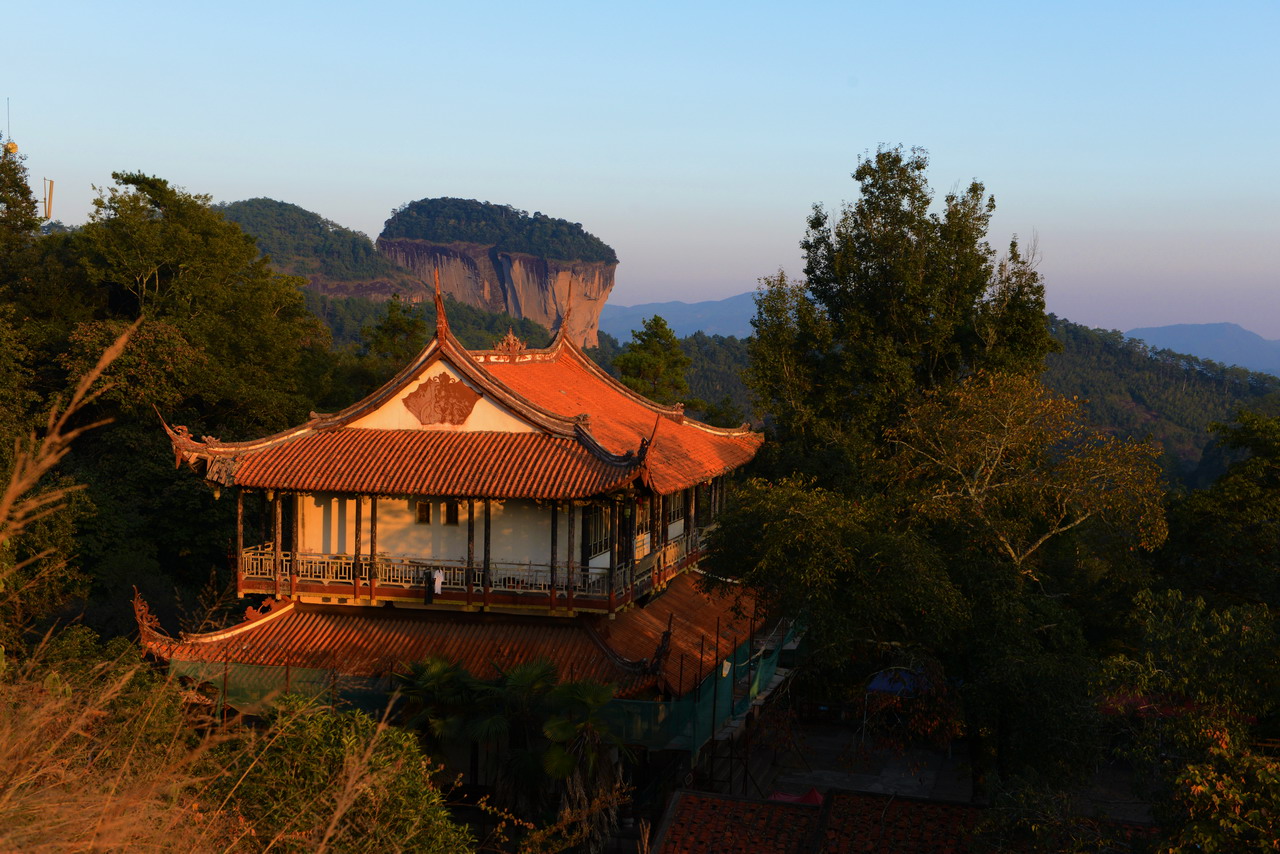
96,753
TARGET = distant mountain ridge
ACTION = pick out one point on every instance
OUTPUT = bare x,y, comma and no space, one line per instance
731,316
1228,343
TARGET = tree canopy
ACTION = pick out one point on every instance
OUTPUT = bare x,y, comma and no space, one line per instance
897,299
448,220
653,364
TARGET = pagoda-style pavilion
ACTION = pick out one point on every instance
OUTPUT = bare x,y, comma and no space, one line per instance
491,508
511,480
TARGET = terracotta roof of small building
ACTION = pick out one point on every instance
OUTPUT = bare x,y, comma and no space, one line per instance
857,822
361,641
697,823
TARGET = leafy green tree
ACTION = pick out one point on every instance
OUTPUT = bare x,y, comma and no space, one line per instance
19,217
1226,538
320,779
897,299
398,336
858,580
585,756
1195,687
653,364
1017,466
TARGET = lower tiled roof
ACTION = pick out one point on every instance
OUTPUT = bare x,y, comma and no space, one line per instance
364,641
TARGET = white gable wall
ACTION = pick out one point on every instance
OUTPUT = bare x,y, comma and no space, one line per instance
487,415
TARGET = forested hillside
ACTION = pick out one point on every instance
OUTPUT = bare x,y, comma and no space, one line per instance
348,317
1136,390
1128,388
302,243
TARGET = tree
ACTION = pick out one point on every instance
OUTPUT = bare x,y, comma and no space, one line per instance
1226,538
1016,465
859,580
585,757
19,216
653,364
320,779
896,300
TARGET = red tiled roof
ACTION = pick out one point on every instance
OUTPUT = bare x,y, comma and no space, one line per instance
694,616
682,452
589,432
848,822
721,824
360,641
857,822
413,462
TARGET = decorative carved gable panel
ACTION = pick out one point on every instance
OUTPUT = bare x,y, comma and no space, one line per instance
441,400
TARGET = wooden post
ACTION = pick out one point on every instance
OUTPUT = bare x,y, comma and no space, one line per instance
471,547
488,519
613,551
570,581
355,557
373,550
555,535
691,512
239,541
632,526
277,546
296,535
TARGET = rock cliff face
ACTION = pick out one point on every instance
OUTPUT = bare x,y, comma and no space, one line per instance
521,285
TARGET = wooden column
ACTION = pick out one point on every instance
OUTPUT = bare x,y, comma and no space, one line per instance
632,527
239,540
570,580
488,526
471,547
613,551
277,546
373,550
555,544
296,535
691,511
355,557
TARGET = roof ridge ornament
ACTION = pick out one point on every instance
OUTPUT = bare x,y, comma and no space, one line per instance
511,344
442,321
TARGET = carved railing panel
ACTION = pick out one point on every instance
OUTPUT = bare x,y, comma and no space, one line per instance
258,563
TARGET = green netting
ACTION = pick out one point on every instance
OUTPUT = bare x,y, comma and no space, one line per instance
251,687
689,722
683,724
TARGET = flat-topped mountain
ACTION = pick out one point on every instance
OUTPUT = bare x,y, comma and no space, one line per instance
505,260
494,257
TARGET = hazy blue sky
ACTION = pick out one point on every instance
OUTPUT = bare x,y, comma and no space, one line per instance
1139,141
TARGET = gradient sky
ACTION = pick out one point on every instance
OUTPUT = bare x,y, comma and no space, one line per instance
1139,142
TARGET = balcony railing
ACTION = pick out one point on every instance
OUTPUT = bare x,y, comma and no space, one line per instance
388,577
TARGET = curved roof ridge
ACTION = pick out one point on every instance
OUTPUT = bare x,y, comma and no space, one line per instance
182,439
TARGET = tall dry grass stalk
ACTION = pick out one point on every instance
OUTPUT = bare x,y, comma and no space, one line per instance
96,751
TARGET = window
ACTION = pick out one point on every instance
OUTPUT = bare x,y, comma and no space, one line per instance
595,530
424,512
642,516
450,513
675,507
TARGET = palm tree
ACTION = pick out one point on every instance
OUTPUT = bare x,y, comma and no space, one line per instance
586,757
511,713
